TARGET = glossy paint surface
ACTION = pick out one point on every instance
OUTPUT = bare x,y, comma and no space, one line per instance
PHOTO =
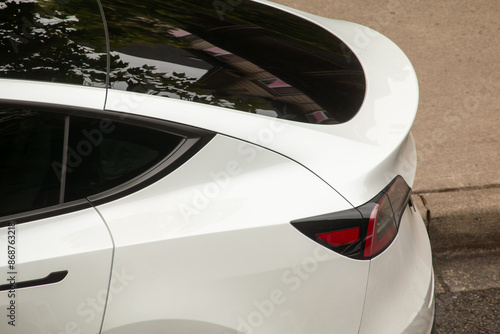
232,265
78,243
408,290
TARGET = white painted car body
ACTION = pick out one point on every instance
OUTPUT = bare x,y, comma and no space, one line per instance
209,248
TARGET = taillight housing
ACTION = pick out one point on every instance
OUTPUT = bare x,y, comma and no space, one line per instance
365,231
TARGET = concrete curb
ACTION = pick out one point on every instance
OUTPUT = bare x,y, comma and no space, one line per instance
461,219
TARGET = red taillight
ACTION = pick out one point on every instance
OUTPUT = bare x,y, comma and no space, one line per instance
338,238
382,228
364,232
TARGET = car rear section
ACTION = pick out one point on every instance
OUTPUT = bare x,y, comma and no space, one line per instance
360,263
373,238
376,178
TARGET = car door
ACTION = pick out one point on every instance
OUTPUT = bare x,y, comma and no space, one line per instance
55,272
55,254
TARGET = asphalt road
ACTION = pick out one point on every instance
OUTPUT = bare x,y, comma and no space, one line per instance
454,47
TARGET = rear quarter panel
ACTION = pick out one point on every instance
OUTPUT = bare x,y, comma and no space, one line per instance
210,246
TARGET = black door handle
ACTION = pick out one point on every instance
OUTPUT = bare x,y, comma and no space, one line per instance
51,278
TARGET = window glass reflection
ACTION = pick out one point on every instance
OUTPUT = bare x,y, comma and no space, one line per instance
53,40
252,58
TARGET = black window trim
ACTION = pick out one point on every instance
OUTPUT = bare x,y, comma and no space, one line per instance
47,212
194,139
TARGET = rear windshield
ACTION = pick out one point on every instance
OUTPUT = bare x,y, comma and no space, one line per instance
235,54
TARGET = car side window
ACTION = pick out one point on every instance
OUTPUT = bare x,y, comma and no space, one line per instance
103,154
49,158
29,142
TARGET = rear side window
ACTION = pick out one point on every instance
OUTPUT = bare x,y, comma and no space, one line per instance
103,154
29,142
49,159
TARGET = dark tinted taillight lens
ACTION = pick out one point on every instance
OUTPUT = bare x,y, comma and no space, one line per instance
365,231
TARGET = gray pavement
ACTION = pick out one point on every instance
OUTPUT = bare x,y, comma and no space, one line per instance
468,312
455,49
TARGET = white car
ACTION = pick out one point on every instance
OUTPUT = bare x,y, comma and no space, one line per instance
214,167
